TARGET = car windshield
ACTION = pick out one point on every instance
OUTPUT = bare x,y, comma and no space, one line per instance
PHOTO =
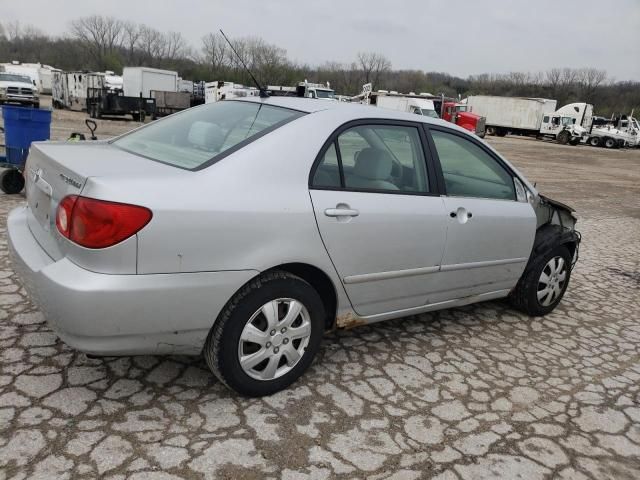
427,112
12,77
197,136
325,94
567,121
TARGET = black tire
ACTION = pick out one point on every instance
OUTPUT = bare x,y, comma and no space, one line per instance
595,141
501,132
610,142
491,130
525,296
11,181
574,141
222,345
563,137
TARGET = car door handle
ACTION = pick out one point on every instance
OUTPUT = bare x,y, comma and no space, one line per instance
341,212
454,214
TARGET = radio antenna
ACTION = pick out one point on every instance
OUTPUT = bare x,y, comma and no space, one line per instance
263,91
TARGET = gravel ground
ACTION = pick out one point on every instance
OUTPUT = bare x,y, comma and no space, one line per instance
471,393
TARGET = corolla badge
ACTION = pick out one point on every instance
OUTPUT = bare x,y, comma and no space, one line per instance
70,181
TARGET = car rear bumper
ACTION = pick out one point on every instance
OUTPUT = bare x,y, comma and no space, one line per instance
105,314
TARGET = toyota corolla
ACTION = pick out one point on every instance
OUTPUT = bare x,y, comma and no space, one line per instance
243,230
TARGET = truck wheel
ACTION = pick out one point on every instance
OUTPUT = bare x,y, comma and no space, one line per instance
490,130
574,141
501,132
11,181
594,141
543,283
610,142
267,335
563,138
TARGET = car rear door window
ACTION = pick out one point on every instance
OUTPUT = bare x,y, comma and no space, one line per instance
383,158
469,171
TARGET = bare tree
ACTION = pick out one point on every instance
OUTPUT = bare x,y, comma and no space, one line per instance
101,35
589,79
175,46
151,44
12,30
373,65
131,35
216,52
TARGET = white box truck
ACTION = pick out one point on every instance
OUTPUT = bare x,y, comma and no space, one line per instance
517,115
139,81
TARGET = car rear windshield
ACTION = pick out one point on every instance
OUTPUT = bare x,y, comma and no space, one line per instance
199,136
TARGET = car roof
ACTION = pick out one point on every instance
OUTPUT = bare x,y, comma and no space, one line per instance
347,109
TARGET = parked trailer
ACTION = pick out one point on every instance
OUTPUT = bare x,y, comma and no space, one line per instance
170,102
102,99
511,114
139,81
69,89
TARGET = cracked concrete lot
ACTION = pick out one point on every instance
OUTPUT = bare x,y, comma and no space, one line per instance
472,393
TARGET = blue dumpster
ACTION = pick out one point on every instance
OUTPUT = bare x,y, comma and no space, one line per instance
21,127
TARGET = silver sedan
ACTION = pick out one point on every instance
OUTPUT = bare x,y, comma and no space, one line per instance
242,230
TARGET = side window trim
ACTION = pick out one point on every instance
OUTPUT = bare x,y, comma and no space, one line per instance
339,157
432,146
430,161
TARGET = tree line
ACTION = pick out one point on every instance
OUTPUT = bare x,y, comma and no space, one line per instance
101,43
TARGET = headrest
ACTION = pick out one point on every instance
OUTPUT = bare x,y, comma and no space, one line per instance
373,164
207,136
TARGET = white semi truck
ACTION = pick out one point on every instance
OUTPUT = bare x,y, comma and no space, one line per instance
531,116
405,103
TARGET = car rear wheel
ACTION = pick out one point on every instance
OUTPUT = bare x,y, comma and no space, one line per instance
543,283
11,181
267,335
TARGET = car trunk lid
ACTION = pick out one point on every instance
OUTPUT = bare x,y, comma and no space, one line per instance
57,169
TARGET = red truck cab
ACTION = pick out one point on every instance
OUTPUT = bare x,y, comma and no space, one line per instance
457,113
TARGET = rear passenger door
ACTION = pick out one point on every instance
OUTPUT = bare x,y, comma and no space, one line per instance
379,214
490,225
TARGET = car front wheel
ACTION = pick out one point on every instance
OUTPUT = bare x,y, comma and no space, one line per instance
267,335
543,283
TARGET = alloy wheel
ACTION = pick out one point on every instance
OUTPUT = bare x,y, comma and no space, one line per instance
552,280
274,339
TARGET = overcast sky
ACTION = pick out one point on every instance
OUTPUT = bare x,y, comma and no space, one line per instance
461,37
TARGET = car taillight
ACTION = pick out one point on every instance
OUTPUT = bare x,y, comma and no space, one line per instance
96,223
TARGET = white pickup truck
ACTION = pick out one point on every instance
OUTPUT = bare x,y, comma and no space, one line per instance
18,89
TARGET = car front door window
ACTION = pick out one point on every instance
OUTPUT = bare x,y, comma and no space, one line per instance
469,171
